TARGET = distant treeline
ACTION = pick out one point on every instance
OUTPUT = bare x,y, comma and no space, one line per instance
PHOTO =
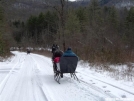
4,46
95,33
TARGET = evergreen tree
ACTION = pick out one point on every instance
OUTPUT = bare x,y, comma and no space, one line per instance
72,24
113,17
130,18
3,44
130,28
82,16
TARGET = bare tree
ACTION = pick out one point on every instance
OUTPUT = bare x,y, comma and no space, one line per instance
60,8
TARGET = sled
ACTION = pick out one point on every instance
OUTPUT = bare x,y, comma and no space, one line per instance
67,65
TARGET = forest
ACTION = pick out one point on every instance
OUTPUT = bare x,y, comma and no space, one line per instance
95,33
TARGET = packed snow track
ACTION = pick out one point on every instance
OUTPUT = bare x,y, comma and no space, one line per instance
29,77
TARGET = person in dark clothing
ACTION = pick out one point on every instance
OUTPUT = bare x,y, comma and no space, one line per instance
53,48
28,51
69,53
56,58
57,53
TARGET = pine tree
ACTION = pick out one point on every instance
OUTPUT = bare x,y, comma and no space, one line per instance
130,28
2,45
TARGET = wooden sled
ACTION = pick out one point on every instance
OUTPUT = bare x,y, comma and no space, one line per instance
67,65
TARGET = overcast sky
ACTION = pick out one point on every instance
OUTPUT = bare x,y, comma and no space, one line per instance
72,0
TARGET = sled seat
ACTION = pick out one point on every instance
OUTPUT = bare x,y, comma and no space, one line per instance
68,64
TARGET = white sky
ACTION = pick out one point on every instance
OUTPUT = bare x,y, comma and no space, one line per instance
72,0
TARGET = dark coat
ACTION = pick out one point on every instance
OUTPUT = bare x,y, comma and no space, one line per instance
53,48
57,53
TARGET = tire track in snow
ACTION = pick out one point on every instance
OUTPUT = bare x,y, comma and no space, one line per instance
46,60
38,81
98,89
90,86
8,77
24,87
111,85
3,83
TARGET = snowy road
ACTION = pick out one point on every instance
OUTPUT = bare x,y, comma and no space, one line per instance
30,78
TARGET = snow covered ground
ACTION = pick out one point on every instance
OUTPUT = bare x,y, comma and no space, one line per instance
30,78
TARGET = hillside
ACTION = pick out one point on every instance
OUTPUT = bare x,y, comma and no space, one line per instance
22,9
117,3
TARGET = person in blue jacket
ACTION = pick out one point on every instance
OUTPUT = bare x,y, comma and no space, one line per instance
69,53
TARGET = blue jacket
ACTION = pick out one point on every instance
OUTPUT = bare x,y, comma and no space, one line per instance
69,53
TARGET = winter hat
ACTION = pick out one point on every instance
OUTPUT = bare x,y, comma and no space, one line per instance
69,48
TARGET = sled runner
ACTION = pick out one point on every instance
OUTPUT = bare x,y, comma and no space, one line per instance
67,65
